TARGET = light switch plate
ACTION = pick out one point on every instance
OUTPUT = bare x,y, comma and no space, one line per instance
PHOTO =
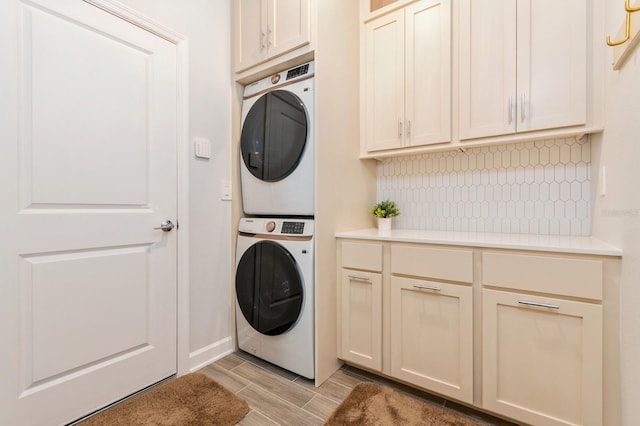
202,148
225,190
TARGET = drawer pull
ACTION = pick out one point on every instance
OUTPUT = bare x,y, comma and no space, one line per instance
539,305
427,287
359,278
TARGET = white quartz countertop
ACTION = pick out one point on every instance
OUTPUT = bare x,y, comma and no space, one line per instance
549,243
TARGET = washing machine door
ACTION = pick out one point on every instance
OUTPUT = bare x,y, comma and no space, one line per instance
274,135
269,288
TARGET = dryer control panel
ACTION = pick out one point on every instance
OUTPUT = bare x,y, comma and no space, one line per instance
277,226
301,72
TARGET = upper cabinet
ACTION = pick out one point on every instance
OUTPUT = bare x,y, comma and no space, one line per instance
522,68
265,29
407,77
442,75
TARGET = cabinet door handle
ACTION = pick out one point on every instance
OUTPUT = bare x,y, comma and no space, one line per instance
538,305
427,287
510,109
268,36
359,278
262,36
399,129
409,129
522,108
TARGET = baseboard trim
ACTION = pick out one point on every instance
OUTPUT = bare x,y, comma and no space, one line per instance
210,353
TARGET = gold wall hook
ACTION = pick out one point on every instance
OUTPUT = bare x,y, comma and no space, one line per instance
629,9
627,32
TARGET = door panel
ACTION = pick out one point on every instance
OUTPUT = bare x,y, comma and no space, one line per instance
76,132
58,322
88,165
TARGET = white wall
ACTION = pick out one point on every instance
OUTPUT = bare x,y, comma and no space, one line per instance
207,26
616,215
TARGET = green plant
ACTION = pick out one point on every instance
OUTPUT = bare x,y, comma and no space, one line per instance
385,208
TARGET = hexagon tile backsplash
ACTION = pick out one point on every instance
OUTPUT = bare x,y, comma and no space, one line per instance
539,187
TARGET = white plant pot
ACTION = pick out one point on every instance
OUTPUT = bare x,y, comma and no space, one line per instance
384,225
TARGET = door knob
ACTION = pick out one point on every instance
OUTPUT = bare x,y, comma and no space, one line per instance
166,226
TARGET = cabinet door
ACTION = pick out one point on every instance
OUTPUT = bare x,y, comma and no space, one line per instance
522,68
288,25
361,298
552,79
432,336
428,73
384,82
542,365
487,78
250,43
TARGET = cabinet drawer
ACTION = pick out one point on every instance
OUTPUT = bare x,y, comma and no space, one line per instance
365,256
444,264
545,274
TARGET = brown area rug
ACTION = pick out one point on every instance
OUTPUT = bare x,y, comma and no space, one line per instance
372,404
193,399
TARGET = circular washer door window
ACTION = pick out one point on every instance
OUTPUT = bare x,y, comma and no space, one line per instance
274,135
269,288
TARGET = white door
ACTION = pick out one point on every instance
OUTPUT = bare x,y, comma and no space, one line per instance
88,169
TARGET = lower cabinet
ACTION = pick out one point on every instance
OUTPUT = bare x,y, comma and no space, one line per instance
432,336
361,325
360,296
542,334
408,312
542,358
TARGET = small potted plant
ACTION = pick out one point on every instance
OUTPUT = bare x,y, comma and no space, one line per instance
385,211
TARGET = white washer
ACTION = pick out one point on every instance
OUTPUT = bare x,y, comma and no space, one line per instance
277,144
274,292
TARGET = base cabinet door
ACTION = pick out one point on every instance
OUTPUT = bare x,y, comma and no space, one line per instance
542,358
361,296
432,336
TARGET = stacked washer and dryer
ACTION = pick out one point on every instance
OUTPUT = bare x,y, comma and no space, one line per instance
275,246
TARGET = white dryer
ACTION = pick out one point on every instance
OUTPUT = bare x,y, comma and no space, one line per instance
274,292
277,144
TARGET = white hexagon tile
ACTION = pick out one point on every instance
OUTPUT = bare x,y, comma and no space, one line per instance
539,187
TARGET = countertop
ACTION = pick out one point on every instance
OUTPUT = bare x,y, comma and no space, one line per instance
548,243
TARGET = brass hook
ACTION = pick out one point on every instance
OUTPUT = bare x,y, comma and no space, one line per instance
627,32
630,9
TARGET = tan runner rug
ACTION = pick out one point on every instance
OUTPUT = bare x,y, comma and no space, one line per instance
372,404
193,399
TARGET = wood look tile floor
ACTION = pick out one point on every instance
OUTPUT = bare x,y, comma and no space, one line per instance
280,397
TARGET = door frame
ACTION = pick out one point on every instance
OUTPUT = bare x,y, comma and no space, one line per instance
182,159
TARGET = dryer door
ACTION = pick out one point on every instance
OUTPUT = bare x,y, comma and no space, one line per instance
274,135
269,288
